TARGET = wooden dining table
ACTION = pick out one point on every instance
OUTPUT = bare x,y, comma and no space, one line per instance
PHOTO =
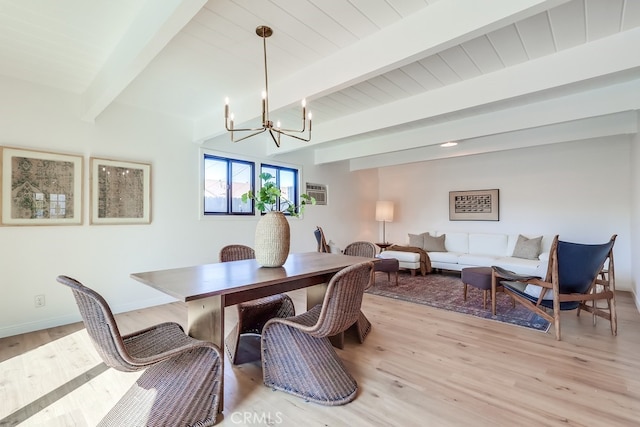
207,289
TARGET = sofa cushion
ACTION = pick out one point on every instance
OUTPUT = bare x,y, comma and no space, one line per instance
400,256
477,260
434,244
521,265
416,240
456,242
488,244
449,257
527,248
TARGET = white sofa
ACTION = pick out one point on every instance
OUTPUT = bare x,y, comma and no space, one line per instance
476,250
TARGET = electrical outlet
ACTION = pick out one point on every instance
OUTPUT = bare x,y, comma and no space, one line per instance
39,301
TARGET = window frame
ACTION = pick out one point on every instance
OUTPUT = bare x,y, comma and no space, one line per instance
296,182
230,162
256,181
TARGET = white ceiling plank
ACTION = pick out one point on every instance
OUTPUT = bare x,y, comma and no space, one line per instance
458,60
438,68
378,11
568,23
155,26
421,75
483,54
603,18
448,22
508,45
631,14
536,36
604,57
323,23
347,15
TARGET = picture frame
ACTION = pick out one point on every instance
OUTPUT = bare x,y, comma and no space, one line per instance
474,205
120,192
40,187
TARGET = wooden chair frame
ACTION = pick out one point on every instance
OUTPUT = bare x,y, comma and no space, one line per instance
605,279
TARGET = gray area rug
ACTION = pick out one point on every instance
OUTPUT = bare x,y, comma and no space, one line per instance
444,291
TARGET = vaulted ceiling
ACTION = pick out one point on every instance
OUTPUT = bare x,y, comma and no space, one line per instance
387,81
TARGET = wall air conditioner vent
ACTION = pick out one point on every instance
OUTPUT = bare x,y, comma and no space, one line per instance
317,191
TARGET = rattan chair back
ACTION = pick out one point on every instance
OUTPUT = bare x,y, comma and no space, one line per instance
101,326
342,300
236,253
364,249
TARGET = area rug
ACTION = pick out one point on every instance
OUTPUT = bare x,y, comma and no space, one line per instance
444,291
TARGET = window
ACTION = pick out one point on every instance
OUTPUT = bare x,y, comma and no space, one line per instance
225,180
287,181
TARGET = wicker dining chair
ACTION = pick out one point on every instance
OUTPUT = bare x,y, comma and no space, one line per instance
180,384
297,356
252,315
368,250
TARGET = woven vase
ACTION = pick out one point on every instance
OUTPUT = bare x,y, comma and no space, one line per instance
272,240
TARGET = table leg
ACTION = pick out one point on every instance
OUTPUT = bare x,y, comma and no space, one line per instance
205,321
493,293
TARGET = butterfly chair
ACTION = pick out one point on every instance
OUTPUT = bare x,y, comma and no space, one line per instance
322,242
181,381
368,250
297,356
252,315
574,277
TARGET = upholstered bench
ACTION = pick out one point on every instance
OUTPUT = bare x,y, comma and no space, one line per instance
387,265
478,277
407,260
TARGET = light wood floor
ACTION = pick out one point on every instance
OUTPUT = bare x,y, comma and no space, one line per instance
419,366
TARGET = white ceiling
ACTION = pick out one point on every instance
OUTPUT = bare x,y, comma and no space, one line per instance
387,80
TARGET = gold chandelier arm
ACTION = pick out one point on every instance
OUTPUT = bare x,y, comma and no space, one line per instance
276,140
248,136
285,133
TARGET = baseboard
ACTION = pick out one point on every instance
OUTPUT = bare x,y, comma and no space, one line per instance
51,322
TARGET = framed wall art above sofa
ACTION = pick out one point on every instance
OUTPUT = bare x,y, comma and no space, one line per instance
475,205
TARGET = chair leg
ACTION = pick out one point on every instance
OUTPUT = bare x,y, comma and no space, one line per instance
363,327
613,315
396,273
484,299
464,291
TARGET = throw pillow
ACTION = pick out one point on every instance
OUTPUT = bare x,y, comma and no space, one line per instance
416,240
434,244
527,248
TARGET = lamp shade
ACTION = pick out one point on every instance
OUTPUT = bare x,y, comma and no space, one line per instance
384,211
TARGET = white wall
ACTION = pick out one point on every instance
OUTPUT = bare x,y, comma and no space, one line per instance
103,256
635,215
579,190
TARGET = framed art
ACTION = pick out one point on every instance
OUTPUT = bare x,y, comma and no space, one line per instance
40,188
476,205
120,192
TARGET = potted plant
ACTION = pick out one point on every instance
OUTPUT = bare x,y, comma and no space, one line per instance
272,238
267,198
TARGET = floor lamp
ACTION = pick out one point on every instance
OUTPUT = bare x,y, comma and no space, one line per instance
384,213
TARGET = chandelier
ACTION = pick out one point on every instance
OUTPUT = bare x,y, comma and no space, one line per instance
267,125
